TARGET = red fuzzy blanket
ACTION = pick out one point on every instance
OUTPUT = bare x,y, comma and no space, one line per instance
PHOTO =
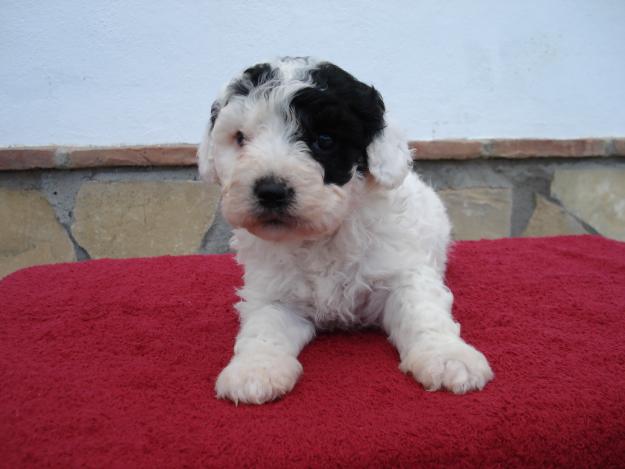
112,363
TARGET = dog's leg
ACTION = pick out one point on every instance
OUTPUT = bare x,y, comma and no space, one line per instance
417,317
264,365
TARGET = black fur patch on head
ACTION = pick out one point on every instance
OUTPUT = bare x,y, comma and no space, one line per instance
339,117
215,108
252,78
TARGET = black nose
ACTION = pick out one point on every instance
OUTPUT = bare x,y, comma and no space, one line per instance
273,193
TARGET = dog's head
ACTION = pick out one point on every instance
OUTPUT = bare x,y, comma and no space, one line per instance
292,144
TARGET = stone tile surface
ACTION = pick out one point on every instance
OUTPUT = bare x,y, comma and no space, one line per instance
596,196
550,219
479,212
30,233
143,218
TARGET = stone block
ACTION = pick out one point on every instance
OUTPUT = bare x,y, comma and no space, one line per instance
596,196
143,218
30,233
550,219
479,212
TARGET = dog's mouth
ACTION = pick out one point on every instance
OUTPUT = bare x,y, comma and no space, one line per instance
272,220
275,226
281,227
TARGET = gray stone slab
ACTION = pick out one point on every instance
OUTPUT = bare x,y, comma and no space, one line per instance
30,234
596,196
549,219
479,212
143,218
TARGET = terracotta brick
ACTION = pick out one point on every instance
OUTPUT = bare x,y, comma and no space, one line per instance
446,149
27,158
162,155
24,158
618,147
528,148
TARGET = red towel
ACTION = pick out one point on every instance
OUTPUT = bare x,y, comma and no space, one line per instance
112,363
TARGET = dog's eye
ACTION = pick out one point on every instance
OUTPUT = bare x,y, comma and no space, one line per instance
239,138
324,142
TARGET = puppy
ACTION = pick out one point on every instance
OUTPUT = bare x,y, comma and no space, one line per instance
332,227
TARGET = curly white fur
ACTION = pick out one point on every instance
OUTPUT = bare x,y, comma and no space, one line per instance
370,252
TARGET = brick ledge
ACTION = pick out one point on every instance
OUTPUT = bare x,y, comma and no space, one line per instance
60,157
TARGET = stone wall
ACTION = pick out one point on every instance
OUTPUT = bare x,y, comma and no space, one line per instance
109,203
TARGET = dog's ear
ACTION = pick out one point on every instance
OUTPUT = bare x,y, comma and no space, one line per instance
204,154
389,158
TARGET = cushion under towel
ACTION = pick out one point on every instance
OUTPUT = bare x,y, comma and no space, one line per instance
112,363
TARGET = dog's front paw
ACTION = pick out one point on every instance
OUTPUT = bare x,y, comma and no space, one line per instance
447,362
255,379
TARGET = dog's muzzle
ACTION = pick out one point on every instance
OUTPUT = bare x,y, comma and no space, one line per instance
273,194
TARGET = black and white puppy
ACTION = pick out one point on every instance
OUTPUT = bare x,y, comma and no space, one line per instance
332,227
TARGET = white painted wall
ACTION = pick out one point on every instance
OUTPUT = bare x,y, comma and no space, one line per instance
146,71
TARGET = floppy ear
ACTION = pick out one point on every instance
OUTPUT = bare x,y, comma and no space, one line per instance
205,161
389,158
